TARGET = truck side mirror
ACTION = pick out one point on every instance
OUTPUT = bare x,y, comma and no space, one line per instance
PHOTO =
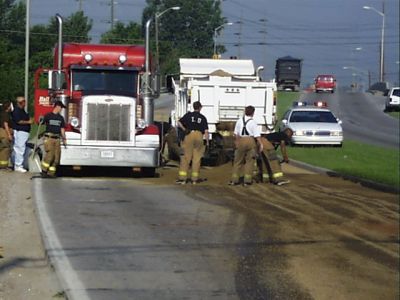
56,80
170,85
284,122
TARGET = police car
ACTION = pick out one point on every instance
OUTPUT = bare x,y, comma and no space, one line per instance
313,124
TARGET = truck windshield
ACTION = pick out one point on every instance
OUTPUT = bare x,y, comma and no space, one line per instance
119,82
327,79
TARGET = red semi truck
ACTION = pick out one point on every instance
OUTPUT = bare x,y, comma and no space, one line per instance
109,112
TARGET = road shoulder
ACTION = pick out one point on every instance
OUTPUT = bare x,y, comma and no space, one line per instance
25,272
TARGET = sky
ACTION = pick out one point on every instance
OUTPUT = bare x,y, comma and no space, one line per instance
326,35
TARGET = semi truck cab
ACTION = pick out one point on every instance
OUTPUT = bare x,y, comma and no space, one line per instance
102,89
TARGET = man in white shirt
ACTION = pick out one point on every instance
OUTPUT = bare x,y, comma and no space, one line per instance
247,143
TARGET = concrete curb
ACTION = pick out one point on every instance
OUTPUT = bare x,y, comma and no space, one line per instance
364,182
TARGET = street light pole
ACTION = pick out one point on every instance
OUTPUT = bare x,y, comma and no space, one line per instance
147,92
215,36
157,16
353,63
382,14
27,25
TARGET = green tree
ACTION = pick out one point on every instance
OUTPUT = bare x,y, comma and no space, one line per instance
12,51
44,38
121,34
187,32
76,28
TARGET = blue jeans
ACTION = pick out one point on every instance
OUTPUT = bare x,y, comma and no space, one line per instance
20,139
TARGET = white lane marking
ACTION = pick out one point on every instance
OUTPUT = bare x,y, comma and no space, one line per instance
68,277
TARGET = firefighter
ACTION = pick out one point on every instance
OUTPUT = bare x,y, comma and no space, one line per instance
273,171
55,131
195,125
5,135
247,141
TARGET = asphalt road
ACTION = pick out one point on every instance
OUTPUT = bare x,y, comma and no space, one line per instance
363,117
119,239
316,238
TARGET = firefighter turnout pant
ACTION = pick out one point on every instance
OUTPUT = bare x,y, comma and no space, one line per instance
51,160
272,170
245,154
5,149
193,150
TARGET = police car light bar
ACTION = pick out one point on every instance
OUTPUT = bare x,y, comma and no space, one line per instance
299,103
321,104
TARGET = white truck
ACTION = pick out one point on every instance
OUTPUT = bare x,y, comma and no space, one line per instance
224,87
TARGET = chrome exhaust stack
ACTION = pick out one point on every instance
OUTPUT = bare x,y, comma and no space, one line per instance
60,41
148,109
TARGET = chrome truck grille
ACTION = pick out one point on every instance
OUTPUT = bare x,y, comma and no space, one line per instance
108,119
107,122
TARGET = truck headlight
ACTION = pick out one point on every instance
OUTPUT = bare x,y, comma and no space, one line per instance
74,121
141,123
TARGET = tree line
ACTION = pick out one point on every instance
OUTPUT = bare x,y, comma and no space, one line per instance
187,32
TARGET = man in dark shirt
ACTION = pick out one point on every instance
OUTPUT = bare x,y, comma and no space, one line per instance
21,123
55,130
196,126
273,171
5,135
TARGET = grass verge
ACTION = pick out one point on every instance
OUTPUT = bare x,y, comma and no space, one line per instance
395,114
354,158
357,159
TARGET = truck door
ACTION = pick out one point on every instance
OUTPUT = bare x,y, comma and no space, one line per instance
42,100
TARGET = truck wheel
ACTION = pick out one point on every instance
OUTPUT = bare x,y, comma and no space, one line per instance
148,172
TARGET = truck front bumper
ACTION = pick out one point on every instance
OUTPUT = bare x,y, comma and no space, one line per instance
109,156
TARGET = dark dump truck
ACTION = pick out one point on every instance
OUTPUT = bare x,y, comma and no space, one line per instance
288,73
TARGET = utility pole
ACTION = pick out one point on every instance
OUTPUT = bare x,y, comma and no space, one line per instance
80,4
264,32
240,34
112,13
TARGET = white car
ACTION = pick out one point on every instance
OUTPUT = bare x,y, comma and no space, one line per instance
313,125
393,99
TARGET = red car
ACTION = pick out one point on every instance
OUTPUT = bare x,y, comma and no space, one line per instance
325,83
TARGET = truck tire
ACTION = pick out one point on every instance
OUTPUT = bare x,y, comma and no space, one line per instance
148,172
